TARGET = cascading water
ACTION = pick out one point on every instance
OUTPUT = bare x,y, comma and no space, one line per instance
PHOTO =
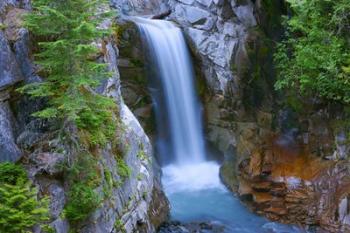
191,183
176,77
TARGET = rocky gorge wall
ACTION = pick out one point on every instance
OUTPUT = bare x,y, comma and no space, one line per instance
287,161
135,203
288,165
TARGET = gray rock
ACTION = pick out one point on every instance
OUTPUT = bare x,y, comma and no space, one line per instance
22,53
246,15
9,69
7,3
131,200
8,148
139,7
188,2
47,163
342,147
4,4
60,226
219,2
196,15
28,138
57,200
206,3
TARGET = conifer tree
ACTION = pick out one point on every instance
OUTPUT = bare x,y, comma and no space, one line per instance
66,31
19,208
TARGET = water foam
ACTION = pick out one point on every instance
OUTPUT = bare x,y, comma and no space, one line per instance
192,177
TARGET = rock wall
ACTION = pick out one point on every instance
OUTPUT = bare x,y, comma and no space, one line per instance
136,204
232,43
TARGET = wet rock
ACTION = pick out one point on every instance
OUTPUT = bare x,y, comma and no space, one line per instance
195,227
299,187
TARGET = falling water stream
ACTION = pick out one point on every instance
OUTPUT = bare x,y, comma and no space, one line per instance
190,181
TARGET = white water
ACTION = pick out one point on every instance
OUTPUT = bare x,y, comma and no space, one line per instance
176,72
191,183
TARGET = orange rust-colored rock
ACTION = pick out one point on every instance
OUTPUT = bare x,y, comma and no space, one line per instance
288,184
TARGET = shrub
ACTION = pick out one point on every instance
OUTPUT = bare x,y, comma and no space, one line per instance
84,177
19,208
82,200
313,59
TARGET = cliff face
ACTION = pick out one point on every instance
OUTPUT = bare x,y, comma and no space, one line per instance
288,165
134,203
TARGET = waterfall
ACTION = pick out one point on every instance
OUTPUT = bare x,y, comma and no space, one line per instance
191,183
174,72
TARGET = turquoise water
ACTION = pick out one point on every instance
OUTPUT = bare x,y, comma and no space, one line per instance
196,195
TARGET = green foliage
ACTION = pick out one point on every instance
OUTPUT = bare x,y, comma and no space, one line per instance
66,31
119,226
123,169
142,155
82,201
84,177
12,174
109,183
314,58
19,208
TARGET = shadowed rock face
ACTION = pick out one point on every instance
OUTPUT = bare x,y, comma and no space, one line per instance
9,69
10,74
9,151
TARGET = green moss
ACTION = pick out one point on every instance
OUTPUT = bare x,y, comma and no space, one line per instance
142,155
108,177
119,226
2,26
123,169
139,177
84,177
136,62
82,201
144,195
